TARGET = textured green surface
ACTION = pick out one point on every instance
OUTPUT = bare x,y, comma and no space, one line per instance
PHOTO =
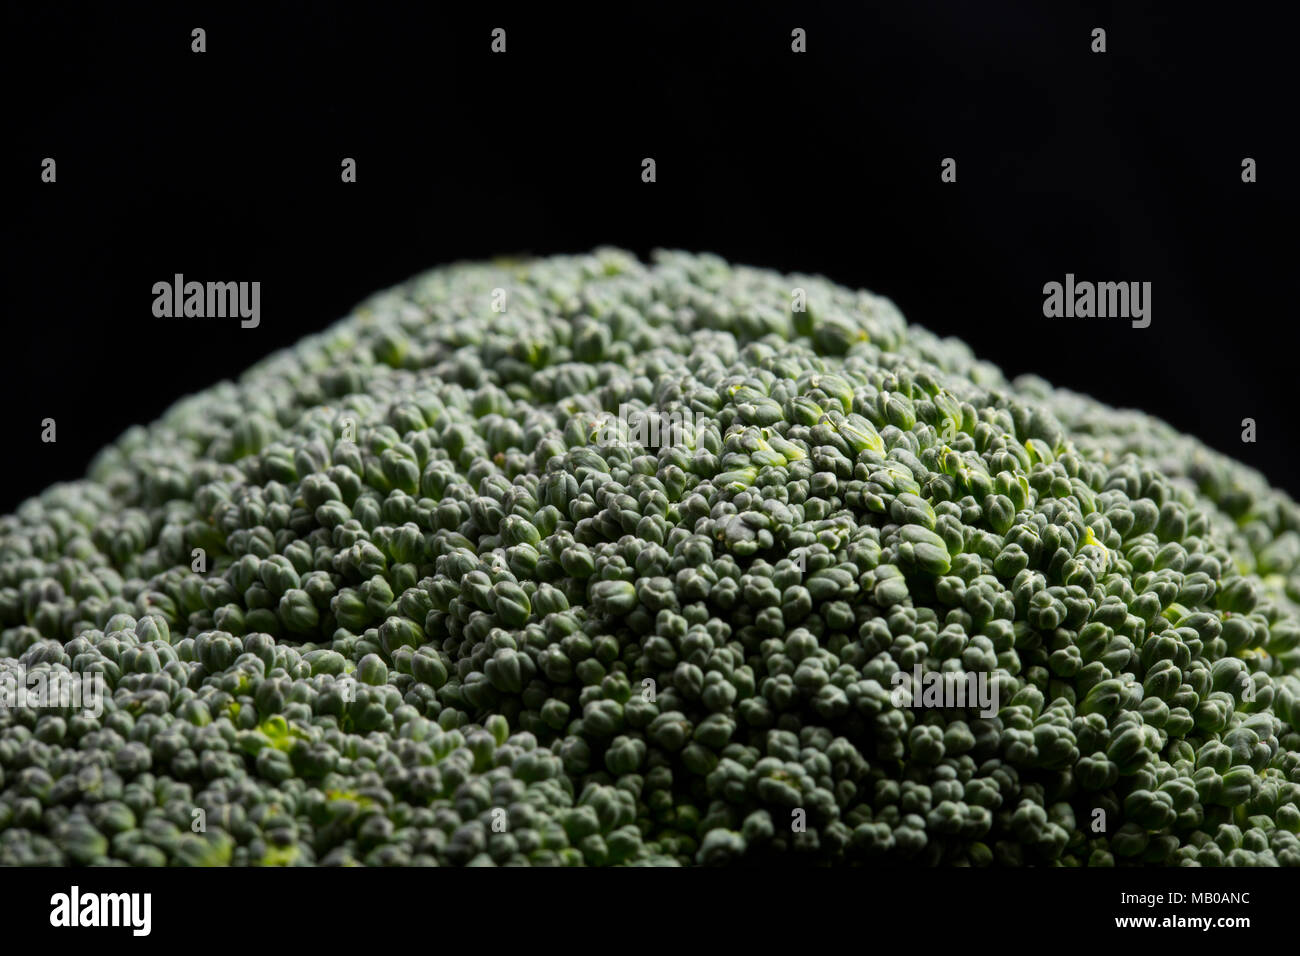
562,651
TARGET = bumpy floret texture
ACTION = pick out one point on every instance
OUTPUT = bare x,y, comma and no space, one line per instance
409,593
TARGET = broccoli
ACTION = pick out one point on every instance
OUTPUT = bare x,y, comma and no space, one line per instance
584,561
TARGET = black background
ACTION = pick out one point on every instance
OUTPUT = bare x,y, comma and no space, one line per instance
1123,166
652,909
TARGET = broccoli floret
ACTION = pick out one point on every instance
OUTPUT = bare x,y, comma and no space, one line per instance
584,561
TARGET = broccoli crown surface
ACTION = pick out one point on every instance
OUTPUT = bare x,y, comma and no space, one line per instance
586,561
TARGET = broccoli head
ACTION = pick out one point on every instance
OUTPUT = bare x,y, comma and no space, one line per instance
584,561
